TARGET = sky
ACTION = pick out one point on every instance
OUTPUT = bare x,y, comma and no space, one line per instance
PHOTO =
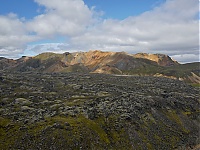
30,27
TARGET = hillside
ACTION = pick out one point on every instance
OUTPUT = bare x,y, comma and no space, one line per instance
6,63
66,111
160,59
98,100
140,64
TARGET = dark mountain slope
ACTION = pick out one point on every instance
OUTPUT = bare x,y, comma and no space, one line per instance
70,101
108,63
6,63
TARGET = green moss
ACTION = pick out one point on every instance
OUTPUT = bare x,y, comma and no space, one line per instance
187,113
95,127
9,133
172,115
158,133
100,133
196,85
36,128
145,141
79,122
158,139
166,137
4,121
78,101
149,146
45,56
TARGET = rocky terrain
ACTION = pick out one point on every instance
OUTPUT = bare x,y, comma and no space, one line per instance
121,63
60,111
160,59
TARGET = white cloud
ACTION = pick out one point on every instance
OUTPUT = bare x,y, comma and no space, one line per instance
62,17
186,58
171,28
168,29
10,24
13,35
48,47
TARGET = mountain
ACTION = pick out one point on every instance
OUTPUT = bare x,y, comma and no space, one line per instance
120,63
160,59
6,63
73,101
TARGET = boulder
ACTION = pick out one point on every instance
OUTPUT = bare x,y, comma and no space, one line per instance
22,101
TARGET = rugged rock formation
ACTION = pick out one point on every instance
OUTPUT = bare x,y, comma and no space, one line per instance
160,59
96,111
6,63
105,62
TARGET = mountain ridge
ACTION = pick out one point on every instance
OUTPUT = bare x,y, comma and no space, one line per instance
73,101
96,61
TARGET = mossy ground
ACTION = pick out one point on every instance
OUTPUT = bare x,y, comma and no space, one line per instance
96,112
72,133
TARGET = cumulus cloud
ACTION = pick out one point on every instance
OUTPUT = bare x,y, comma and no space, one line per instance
186,58
168,29
171,28
13,35
62,17
48,47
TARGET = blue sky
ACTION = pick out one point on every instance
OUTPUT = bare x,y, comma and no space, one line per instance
30,27
23,8
117,9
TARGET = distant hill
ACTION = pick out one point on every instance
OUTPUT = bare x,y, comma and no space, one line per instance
160,59
6,63
136,108
120,63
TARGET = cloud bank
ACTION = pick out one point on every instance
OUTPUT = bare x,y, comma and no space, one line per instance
171,28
